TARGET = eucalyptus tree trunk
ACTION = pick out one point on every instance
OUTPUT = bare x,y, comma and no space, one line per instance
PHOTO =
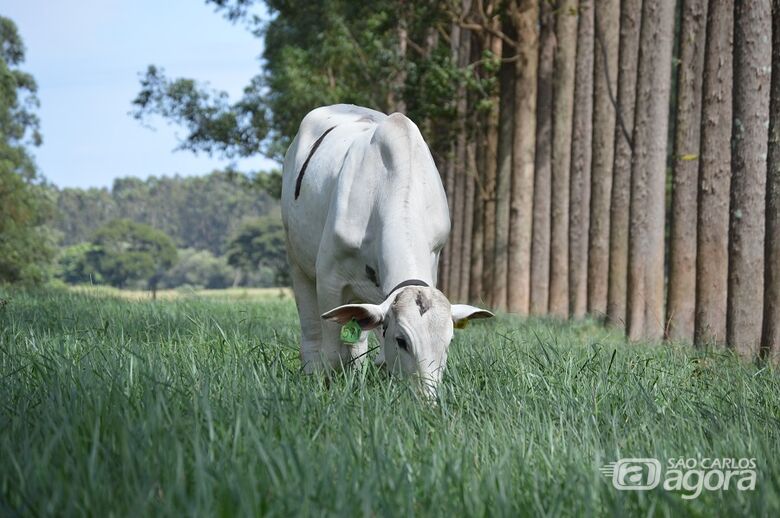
445,261
605,72
581,153
681,304
771,329
563,106
648,173
460,46
489,186
752,70
540,244
477,164
630,19
525,15
714,177
504,175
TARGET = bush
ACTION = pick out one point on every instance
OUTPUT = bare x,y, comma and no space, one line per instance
74,267
199,269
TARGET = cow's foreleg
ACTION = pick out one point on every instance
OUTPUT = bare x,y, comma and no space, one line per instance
309,315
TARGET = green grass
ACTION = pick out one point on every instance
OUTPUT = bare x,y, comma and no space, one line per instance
196,406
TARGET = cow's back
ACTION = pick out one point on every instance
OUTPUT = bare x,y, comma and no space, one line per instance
311,168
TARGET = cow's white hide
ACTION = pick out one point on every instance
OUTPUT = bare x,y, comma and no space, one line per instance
368,213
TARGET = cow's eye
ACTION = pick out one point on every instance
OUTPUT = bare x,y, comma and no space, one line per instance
401,341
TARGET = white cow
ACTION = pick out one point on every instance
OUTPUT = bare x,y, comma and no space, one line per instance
366,217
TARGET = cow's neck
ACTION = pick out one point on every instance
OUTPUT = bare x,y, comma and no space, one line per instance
404,254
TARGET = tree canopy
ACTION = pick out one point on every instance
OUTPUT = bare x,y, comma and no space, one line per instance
124,251
25,244
319,53
196,212
260,244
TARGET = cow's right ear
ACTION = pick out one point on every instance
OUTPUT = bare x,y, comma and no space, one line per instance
368,316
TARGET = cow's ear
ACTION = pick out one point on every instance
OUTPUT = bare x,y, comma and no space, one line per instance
462,313
368,316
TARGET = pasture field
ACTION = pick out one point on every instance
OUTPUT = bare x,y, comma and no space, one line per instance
196,406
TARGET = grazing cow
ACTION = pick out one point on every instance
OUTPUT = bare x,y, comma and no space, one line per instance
366,217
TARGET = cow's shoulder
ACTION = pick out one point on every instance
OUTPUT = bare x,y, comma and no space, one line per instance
399,140
321,119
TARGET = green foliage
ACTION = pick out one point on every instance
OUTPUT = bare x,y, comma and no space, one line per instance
124,251
258,244
198,407
25,244
74,266
198,269
319,53
214,125
270,182
197,212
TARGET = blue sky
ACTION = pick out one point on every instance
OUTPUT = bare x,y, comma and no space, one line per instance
86,57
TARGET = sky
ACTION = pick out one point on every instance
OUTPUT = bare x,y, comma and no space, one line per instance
87,57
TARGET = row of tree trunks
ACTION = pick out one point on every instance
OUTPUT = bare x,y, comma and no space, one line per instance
630,20
559,188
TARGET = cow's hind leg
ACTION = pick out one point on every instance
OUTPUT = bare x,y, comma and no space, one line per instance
308,313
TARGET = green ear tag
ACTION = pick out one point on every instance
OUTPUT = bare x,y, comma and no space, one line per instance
350,332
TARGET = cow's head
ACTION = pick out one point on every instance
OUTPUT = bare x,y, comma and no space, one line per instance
417,324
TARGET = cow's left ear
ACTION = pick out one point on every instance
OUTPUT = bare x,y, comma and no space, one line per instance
462,313
368,316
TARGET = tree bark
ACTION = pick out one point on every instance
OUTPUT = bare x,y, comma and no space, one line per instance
469,176
525,15
490,169
771,329
540,244
581,153
395,97
445,265
714,177
477,164
630,19
752,69
648,173
605,72
563,106
470,166
461,51
504,178
681,305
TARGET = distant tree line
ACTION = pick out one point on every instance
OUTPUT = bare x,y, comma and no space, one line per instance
225,225
200,212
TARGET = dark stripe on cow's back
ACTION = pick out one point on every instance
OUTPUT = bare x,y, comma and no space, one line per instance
306,163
